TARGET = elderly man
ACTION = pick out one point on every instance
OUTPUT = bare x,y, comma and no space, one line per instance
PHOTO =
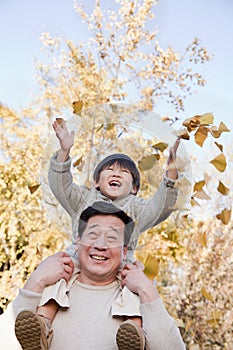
92,321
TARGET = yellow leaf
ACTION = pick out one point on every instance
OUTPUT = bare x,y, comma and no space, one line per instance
223,189
192,123
214,132
219,146
202,239
60,121
198,185
160,146
206,294
33,188
223,128
151,264
219,162
202,195
193,202
207,118
148,162
79,163
183,134
77,107
224,216
201,135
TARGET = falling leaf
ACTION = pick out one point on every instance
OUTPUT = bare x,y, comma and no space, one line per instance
224,216
79,163
201,135
220,147
151,264
192,123
223,189
77,107
38,252
148,162
193,202
202,239
60,121
198,185
206,294
207,118
33,188
160,146
110,126
214,132
202,195
223,128
219,162
183,134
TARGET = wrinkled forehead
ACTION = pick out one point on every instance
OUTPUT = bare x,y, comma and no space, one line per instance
105,223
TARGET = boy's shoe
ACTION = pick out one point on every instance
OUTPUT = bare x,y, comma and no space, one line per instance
32,331
130,336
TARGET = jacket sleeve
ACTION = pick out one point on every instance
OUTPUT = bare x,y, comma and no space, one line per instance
153,211
160,328
68,194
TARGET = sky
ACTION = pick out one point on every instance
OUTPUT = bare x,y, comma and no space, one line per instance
22,22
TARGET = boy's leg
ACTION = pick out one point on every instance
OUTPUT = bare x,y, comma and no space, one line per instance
33,330
130,335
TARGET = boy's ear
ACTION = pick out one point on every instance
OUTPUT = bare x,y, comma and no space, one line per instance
134,189
96,183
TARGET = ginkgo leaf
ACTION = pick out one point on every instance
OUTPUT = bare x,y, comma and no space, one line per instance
207,118
38,252
206,294
219,162
148,162
214,132
110,126
201,135
77,107
198,185
192,123
202,239
151,264
223,189
202,195
223,128
193,202
60,121
220,147
224,216
160,146
183,134
79,163
33,188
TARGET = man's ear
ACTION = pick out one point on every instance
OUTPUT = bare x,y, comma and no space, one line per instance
124,252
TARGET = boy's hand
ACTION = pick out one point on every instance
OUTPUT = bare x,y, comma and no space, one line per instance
65,137
171,162
137,282
49,271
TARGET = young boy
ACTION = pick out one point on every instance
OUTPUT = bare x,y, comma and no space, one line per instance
117,179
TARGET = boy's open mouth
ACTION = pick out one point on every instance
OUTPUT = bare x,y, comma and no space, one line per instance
114,183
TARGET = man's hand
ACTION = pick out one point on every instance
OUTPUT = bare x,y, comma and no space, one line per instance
137,282
49,271
66,139
171,162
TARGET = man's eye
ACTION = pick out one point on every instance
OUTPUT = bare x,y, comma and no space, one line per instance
92,235
112,238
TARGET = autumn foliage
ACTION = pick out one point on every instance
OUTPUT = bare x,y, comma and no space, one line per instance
92,86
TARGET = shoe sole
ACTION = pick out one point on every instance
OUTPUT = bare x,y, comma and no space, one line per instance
28,331
129,337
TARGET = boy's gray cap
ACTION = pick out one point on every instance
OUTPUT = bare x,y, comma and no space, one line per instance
115,156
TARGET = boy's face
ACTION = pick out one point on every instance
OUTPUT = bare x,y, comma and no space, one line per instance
115,182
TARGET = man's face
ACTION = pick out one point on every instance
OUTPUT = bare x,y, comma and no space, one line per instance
115,182
101,249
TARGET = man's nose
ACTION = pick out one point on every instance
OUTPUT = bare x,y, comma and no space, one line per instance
100,242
